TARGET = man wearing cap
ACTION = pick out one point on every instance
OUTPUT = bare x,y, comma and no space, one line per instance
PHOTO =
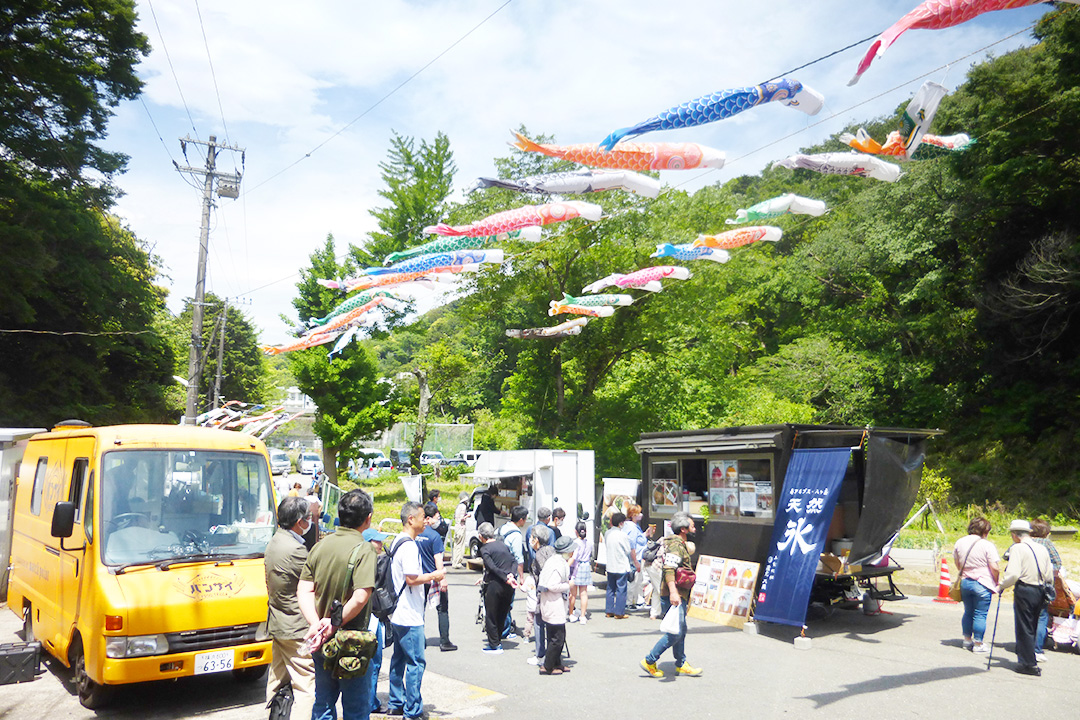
554,582
284,559
1028,569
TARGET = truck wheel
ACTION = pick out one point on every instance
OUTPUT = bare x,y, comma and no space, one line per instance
91,694
249,674
474,548
28,624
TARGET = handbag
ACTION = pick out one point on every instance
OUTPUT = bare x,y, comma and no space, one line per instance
955,592
685,578
348,653
281,704
1049,592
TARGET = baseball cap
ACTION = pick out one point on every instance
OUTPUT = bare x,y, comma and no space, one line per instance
373,534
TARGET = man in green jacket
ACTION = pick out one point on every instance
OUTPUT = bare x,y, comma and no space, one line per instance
284,559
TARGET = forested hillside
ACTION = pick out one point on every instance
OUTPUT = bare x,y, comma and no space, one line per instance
944,300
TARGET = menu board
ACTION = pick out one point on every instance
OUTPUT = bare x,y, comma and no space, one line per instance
724,487
724,590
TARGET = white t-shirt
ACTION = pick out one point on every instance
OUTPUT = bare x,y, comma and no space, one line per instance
617,545
410,606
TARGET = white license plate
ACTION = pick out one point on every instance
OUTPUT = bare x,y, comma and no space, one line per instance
212,662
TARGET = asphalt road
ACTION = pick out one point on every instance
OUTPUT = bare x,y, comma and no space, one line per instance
905,664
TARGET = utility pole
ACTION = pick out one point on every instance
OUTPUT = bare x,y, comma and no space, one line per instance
220,354
228,186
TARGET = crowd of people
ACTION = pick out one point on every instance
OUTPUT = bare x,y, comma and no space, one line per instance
1033,565
358,586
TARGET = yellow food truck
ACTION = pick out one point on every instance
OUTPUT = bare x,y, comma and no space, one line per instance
137,552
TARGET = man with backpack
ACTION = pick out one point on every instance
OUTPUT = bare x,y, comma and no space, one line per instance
340,567
407,663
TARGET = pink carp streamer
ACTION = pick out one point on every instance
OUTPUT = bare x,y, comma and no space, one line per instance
935,15
522,217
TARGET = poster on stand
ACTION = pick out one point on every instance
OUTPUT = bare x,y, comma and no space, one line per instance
724,590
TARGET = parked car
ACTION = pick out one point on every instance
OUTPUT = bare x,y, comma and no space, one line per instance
310,463
376,466
455,461
432,457
469,456
401,459
280,464
369,453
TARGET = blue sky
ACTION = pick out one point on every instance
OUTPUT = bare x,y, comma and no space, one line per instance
290,76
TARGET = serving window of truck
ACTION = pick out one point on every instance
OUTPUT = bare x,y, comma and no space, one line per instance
735,487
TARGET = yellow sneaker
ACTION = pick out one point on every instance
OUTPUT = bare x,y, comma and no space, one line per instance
652,669
688,669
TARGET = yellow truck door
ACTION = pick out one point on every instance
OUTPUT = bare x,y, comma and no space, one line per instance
73,553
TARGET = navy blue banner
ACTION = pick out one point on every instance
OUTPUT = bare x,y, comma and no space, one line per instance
804,512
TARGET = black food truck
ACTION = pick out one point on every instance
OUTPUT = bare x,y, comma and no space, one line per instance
736,473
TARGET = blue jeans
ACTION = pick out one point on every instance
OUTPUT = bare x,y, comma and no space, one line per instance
976,598
1040,631
375,666
677,643
407,670
541,635
616,593
354,693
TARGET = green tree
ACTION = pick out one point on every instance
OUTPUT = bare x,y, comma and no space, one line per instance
79,304
245,375
418,181
63,66
349,392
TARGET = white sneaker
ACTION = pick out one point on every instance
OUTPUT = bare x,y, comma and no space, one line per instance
532,660
493,651
1040,657
572,619
983,647
969,644
583,620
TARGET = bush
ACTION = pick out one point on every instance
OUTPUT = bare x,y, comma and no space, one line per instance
935,487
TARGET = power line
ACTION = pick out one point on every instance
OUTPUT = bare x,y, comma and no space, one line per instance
165,49
823,57
213,75
381,100
76,332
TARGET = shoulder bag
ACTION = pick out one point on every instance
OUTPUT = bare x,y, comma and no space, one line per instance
1049,592
955,589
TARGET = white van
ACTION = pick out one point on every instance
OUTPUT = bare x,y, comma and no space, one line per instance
469,456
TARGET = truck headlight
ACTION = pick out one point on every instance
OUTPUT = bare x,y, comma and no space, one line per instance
136,646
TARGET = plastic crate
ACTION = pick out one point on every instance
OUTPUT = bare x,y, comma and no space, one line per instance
19,662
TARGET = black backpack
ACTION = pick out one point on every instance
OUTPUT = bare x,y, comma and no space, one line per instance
384,598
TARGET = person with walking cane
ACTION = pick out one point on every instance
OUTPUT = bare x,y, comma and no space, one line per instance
1029,569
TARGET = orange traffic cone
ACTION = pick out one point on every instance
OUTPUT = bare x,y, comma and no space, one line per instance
944,583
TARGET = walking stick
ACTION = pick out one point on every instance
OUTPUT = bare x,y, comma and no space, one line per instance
993,634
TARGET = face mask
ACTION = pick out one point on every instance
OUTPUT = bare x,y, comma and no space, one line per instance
306,528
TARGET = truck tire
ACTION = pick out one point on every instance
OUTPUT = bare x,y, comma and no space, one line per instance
474,548
91,694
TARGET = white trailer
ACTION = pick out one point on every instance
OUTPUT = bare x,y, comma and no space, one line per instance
536,479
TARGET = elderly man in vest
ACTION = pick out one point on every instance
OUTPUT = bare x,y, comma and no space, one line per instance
1028,569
